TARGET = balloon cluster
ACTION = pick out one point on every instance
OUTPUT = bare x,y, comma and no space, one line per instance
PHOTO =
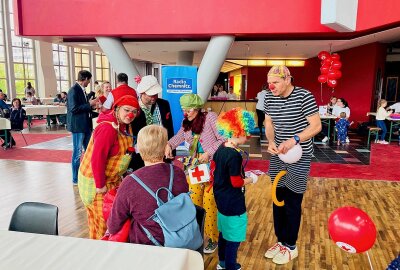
330,68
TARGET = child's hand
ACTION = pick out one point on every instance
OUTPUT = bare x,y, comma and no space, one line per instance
248,180
252,176
352,122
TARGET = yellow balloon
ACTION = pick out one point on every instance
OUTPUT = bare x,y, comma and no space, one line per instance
273,188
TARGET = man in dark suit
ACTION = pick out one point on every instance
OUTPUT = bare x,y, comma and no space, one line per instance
154,111
79,121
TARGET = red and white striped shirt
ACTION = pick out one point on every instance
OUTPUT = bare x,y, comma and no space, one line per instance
210,139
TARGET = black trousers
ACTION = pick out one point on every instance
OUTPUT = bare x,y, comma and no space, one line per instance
287,218
227,252
9,138
261,118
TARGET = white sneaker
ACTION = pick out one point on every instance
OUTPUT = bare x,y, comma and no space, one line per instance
285,255
384,142
325,139
272,251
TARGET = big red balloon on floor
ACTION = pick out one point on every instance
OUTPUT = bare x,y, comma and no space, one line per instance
352,229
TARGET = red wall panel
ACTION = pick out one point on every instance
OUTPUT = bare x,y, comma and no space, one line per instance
160,18
356,86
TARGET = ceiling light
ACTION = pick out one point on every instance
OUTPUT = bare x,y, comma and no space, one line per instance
271,63
294,63
257,63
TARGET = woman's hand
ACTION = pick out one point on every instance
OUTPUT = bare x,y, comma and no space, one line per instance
204,158
286,146
168,151
101,190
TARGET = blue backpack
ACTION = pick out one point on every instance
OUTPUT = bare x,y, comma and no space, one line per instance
177,218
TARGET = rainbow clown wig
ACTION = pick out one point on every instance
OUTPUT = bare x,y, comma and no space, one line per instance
235,123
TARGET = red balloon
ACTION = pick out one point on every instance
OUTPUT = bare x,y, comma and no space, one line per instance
335,56
336,64
332,83
352,229
333,74
323,55
324,70
322,78
327,61
338,73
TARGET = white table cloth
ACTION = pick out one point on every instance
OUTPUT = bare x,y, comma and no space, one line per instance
37,110
5,124
46,101
57,110
25,251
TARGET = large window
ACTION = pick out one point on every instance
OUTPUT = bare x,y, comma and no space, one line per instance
3,73
102,67
61,67
82,60
22,58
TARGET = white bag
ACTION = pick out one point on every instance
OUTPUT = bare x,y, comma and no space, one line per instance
199,174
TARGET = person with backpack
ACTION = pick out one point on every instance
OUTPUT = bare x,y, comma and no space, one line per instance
133,201
200,132
228,180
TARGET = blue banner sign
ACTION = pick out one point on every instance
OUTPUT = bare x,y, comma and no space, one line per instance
177,81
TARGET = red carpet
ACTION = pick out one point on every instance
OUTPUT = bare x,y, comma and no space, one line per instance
382,166
18,153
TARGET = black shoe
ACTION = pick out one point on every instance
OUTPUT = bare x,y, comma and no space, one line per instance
6,146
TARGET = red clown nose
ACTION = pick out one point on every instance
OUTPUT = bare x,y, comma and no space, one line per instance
271,87
131,115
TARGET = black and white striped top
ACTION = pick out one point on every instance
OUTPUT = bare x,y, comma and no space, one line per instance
289,115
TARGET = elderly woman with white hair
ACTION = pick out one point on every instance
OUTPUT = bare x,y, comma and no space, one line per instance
133,202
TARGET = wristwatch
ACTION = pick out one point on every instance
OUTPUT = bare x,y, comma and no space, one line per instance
296,138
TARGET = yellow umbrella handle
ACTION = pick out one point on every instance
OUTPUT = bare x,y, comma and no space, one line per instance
273,189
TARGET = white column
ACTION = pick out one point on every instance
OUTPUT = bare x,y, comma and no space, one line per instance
46,75
119,58
185,58
211,64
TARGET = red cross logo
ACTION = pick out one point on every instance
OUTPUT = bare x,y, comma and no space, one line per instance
197,174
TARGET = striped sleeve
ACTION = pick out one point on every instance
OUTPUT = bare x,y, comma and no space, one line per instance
309,106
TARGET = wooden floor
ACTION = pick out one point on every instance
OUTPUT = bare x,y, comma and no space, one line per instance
50,182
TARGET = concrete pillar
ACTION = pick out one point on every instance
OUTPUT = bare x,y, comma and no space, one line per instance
185,58
119,58
46,75
211,64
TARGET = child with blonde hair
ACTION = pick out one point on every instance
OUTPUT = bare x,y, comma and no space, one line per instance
381,115
342,127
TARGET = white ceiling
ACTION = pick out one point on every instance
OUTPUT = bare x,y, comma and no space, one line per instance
165,52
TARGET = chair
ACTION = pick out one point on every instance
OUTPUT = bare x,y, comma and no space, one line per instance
35,217
373,130
200,217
